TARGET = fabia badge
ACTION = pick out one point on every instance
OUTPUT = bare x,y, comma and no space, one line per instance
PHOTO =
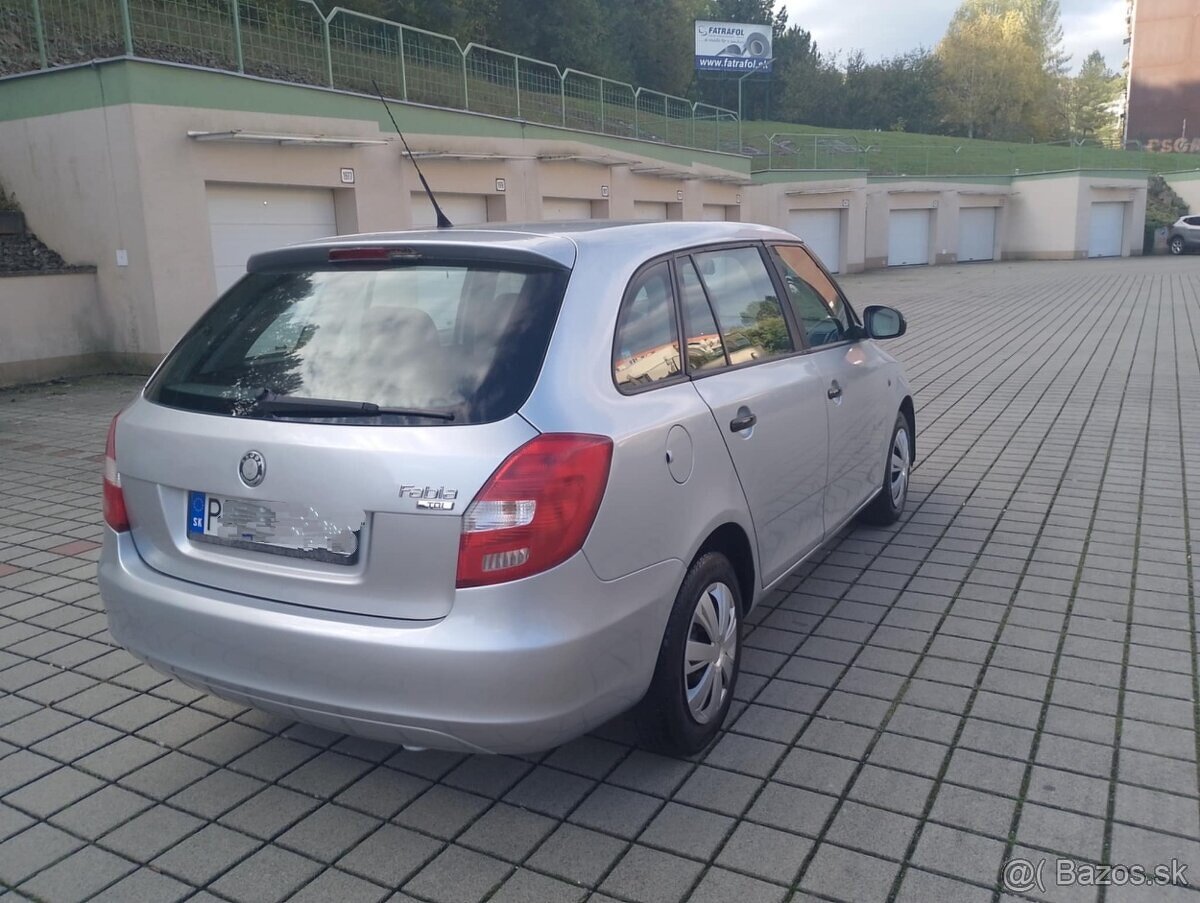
435,498
253,468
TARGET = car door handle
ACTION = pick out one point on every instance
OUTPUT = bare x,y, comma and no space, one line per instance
835,390
742,422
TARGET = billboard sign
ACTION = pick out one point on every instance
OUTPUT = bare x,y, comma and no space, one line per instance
732,47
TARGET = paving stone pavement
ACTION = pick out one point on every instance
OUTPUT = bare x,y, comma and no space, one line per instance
1010,672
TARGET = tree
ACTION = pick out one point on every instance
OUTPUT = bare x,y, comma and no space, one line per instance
569,33
1093,93
1044,23
467,20
1043,18
897,94
810,85
1040,28
992,79
654,42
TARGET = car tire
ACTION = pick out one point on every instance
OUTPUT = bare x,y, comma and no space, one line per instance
678,716
888,505
1176,245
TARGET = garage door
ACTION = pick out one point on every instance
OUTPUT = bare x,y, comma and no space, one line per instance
976,233
714,213
246,219
1108,230
908,237
822,232
653,210
460,209
564,209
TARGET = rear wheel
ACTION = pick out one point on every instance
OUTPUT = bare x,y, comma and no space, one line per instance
897,468
698,661
1177,244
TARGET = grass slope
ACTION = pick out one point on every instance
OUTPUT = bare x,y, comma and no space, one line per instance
901,153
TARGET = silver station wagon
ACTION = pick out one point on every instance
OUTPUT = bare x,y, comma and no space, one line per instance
485,489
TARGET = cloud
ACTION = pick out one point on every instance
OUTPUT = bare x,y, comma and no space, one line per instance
1095,25
885,27
876,27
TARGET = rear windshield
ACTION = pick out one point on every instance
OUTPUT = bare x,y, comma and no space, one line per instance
465,340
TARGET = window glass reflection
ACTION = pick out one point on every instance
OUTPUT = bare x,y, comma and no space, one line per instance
647,346
705,349
748,311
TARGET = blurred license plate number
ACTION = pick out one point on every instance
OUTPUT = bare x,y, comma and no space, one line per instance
271,524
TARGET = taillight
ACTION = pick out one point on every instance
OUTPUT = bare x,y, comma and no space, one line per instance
536,510
114,499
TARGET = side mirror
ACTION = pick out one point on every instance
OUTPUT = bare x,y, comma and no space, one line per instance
884,322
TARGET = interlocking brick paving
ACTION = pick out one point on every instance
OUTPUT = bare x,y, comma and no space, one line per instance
1011,671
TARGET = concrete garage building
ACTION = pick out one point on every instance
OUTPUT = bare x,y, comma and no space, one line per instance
1187,186
167,177
827,208
1082,214
913,223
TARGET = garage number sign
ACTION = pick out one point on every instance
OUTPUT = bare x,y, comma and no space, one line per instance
732,47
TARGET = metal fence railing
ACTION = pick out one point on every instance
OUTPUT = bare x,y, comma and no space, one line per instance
889,156
296,42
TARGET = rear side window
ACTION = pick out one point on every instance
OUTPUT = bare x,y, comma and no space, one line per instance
748,311
647,345
459,338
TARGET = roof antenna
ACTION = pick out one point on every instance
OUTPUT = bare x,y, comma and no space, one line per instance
442,221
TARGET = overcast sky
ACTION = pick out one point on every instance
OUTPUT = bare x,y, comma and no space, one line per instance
884,27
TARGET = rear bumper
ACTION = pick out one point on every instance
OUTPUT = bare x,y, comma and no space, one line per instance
515,668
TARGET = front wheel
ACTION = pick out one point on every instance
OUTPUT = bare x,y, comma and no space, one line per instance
698,661
1177,245
897,469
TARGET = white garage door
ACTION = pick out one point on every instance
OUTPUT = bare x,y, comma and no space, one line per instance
908,237
246,219
822,232
653,210
564,209
714,213
460,209
1108,230
976,233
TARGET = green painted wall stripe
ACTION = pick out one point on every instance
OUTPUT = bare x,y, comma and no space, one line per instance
1137,175
1183,175
973,179
164,84
62,91
807,175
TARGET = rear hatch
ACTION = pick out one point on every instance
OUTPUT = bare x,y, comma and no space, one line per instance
315,438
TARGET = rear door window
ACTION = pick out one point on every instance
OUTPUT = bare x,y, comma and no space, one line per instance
646,349
748,312
460,338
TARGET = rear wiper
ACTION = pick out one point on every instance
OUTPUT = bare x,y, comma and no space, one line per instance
268,402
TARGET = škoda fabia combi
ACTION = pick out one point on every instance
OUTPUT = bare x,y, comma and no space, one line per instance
483,490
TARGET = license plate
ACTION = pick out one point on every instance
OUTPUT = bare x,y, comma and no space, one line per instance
281,528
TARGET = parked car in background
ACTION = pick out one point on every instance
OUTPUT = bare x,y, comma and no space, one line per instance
1184,235
484,489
